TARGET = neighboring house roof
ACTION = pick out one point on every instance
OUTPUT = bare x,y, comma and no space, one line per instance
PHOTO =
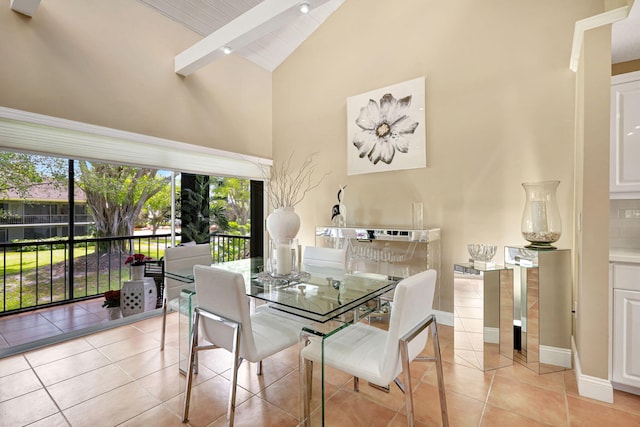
47,192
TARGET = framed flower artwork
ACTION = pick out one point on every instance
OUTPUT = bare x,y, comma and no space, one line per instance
386,129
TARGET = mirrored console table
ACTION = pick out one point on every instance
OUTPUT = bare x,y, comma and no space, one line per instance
394,252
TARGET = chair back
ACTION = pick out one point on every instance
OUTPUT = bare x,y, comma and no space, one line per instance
324,257
182,258
412,304
223,292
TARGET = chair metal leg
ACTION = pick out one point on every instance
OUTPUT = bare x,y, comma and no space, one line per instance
259,368
404,355
380,387
408,394
231,411
164,323
436,351
192,352
356,384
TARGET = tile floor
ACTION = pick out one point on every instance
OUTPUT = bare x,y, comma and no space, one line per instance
120,377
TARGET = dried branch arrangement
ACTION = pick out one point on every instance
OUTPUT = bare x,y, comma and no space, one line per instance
286,187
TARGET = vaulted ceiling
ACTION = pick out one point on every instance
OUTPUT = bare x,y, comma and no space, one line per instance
266,32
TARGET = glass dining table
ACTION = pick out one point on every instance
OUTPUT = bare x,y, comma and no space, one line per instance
327,300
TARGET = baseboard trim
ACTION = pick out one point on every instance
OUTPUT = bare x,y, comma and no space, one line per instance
555,356
444,317
588,386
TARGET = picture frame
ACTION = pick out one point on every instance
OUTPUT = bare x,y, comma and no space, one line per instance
386,129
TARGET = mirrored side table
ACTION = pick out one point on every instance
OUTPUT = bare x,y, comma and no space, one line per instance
542,307
483,316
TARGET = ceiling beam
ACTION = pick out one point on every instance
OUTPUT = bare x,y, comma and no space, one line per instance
25,7
246,28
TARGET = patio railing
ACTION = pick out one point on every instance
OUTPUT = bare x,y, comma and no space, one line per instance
38,274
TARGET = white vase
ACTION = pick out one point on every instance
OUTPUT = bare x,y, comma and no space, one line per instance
137,272
283,224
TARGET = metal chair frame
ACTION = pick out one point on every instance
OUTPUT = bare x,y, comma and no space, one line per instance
194,348
407,390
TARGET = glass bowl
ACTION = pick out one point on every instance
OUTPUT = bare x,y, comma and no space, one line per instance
480,252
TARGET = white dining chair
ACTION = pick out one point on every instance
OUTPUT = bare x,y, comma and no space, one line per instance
380,356
180,258
223,317
324,261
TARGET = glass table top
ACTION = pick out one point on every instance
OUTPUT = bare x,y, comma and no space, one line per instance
324,295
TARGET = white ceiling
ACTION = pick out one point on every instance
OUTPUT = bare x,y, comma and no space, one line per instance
269,40
205,17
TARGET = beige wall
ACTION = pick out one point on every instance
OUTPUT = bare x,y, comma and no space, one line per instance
592,203
499,112
110,63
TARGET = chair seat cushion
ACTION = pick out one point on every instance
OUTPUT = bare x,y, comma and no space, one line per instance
273,333
358,350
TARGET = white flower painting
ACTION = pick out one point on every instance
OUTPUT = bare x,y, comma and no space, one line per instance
386,129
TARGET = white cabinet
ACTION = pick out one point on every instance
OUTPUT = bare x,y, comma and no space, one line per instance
626,327
625,136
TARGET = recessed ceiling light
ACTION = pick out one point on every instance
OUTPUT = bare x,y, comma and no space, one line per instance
304,8
226,50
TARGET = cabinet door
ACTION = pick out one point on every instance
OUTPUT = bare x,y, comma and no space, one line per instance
625,136
626,337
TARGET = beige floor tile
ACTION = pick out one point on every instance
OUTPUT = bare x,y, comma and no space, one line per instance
570,383
218,360
111,408
58,351
167,383
26,409
17,384
587,413
526,400
470,382
254,409
63,369
150,361
129,347
272,370
158,416
155,323
553,381
55,420
111,336
626,401
13,364
285,393
88,385
462,410
348,408
208,401
496,417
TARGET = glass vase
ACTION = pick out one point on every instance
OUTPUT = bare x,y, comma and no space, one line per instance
541,224
283,258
